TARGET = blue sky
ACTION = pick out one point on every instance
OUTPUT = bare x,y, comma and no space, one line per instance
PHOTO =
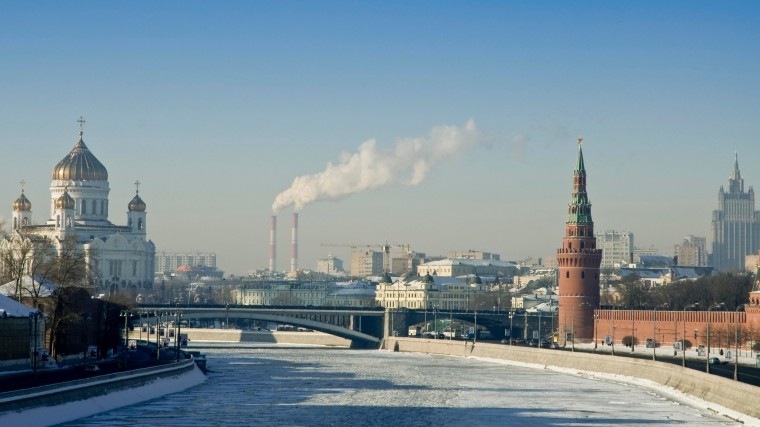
217,106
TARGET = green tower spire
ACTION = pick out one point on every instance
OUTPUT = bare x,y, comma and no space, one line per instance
579,208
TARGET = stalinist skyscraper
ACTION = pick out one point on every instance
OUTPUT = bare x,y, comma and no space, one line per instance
579,261
735,225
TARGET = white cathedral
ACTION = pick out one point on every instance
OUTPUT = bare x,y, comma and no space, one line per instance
120,258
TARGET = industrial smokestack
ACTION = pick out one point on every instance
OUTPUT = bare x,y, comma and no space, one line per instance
273,245
294,244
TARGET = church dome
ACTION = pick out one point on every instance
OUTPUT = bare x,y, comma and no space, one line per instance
137,204
65,201
80,165
22,204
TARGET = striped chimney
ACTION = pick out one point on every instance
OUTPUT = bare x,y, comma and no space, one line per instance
273,245
294,244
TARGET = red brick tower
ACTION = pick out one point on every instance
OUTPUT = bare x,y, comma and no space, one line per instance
579,261
753,308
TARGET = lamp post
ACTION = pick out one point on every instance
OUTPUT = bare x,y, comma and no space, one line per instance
125,315
736,342
614,315
654,331
707,359
572,332
33,316
596,324
633,333
511,316
475,332
683,337
178,337
435,321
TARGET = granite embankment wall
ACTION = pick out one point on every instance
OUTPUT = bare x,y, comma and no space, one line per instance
71,391
739,397
265,337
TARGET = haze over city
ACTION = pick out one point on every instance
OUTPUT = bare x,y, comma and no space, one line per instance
473,111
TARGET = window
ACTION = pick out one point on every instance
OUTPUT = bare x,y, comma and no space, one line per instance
84,207
567,274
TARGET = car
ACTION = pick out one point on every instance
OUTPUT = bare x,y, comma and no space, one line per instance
717,361
505,340
91,368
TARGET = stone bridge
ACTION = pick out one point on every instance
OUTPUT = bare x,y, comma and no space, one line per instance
366,327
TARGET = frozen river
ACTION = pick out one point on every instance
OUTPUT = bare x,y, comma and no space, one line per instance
308,386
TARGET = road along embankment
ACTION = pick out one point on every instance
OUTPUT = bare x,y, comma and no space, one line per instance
62,402
725,393
265,337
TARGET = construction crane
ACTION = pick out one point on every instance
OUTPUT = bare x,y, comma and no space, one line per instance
384,247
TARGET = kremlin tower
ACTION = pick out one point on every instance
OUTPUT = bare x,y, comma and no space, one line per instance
578,261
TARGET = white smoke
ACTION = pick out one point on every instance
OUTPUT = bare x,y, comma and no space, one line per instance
371,167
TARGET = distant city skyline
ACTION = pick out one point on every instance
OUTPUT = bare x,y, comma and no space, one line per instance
217,109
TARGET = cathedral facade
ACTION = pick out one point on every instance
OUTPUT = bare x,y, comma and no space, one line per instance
120,258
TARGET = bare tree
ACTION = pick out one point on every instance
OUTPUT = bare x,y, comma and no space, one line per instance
28,261
69,273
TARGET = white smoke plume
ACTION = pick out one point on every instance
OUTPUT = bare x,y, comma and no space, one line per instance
371,167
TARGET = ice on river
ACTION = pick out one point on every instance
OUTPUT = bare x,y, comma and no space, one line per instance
322,386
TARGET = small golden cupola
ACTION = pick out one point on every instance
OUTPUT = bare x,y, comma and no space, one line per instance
22,204
65,201
136,204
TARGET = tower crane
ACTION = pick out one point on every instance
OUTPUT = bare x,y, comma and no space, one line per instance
384,247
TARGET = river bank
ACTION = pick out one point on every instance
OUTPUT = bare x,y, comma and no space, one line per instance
58,403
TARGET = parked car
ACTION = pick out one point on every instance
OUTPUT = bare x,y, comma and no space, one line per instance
717,361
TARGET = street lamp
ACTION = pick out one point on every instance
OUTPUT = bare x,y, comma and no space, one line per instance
596,324
736,342
511,316
707,359
178,337
125,315
683,337
435,321
654,331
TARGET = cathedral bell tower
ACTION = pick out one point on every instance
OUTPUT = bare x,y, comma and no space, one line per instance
136,217
22,211
578,261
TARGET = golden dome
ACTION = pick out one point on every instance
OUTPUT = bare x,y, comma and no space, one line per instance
65,201
22,204
80,165
137,204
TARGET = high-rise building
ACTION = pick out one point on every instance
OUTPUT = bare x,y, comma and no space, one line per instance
406,263
330,265
692,252
169,262
366,263
735,225
579,261
617,248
